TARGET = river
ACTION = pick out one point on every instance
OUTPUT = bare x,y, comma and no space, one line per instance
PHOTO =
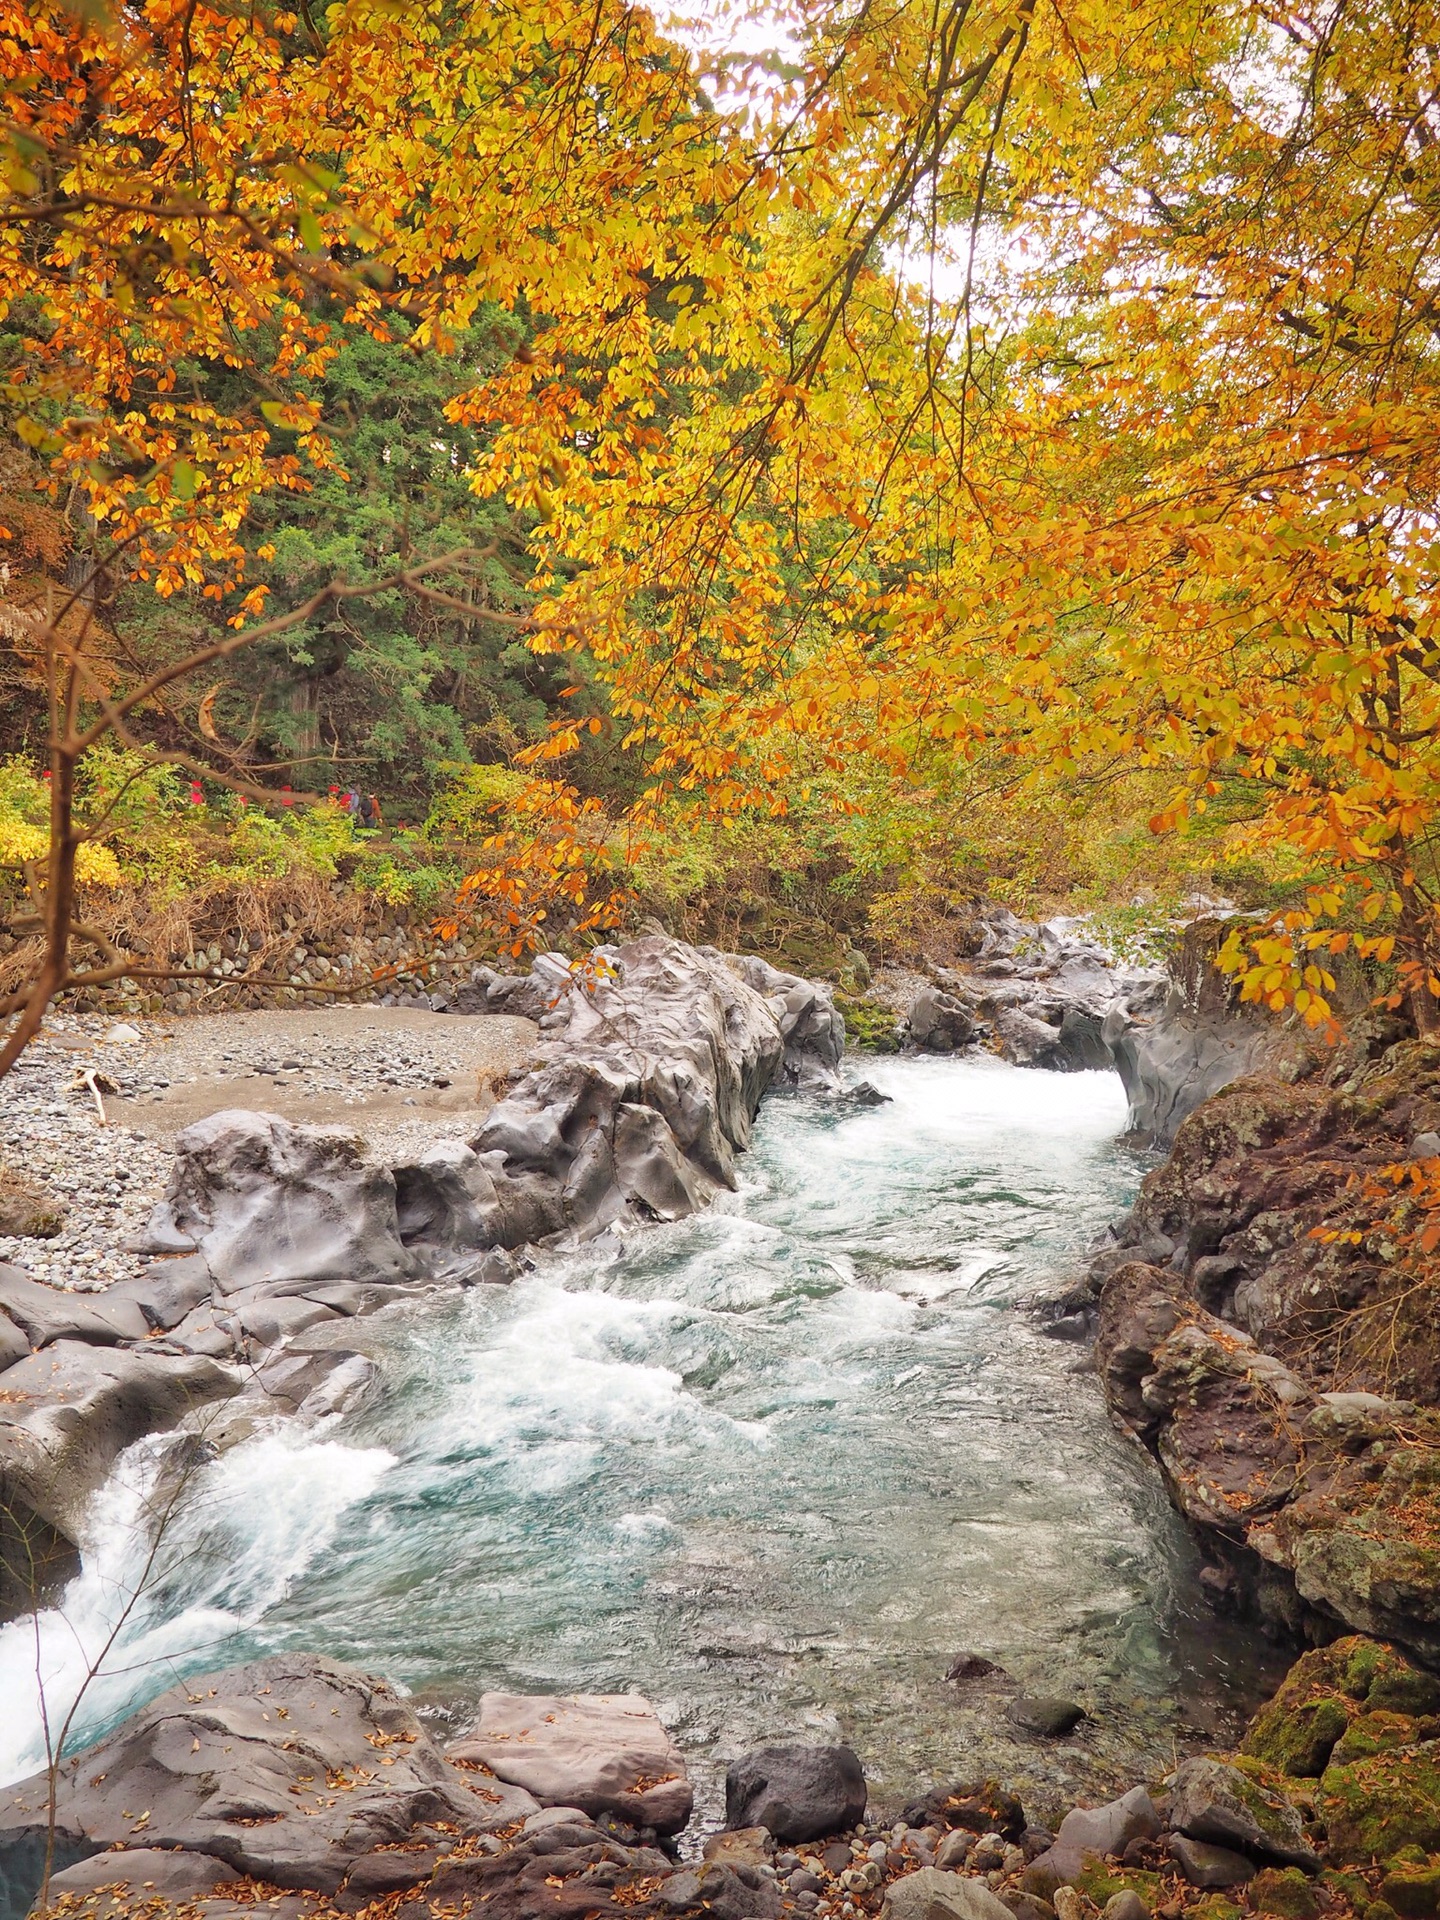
774,1466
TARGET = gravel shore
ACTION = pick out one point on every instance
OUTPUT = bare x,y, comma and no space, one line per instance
399,1077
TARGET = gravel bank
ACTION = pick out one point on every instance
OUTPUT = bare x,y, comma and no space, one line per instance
398,1076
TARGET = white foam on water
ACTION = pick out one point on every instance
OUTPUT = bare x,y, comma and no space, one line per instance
166,1583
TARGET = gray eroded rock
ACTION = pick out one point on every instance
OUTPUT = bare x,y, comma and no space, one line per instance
721,1892
68,1412
591,1751
44,1315
1211,1801
275,1206
1172,1059
940,1022
13,1343
1206,1865
246,1766
144,1873
797,1792
1110,1828
933,1895
805,1012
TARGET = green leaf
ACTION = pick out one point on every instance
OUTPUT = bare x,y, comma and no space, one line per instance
184,479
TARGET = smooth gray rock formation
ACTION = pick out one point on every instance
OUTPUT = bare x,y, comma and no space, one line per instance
797,1792
68,1412
940,1022
1110,1828
810,1025
14,1345
276,1768
277,1206
933,1895
144,1873
1206,1865
1210,1801
603,1753
43,1314
1171,1059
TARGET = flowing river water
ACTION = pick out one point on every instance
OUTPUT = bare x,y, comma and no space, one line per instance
774,1466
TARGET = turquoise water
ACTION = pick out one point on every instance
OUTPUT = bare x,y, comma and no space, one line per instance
774,1467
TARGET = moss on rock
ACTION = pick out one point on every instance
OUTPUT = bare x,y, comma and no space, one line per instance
1373,1733
1284,1891
1214,1907
1101,1881
1413,1889
1375,1806
1297,1736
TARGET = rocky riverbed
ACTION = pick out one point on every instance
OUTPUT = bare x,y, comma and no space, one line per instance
96,1159
310,1789
566,1805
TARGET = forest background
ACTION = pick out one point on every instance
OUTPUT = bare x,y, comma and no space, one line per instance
978,448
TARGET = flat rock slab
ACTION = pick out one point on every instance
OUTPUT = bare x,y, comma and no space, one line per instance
601,1752
289,1770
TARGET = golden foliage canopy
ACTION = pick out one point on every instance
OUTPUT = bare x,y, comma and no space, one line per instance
1048,381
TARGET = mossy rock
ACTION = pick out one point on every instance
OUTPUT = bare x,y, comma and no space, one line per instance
870,1026
1214,1906
1412,1889
1326,1690
1102,1881
1374,1807
1297,1736
1373,1733
1286,1891
1385,1680
1348,1887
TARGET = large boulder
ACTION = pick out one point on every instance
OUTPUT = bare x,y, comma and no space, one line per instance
932,1894
1172,1060
288,1770
1256,1331
810,1025
1230,1806
66,1415
797,1792
603,1753
939,1021
279,1206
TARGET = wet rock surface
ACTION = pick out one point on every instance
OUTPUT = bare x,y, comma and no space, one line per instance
645,1091
795,1792
312,1790
602,1753
1254,1332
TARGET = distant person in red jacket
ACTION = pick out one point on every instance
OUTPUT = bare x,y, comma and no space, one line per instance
371,818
